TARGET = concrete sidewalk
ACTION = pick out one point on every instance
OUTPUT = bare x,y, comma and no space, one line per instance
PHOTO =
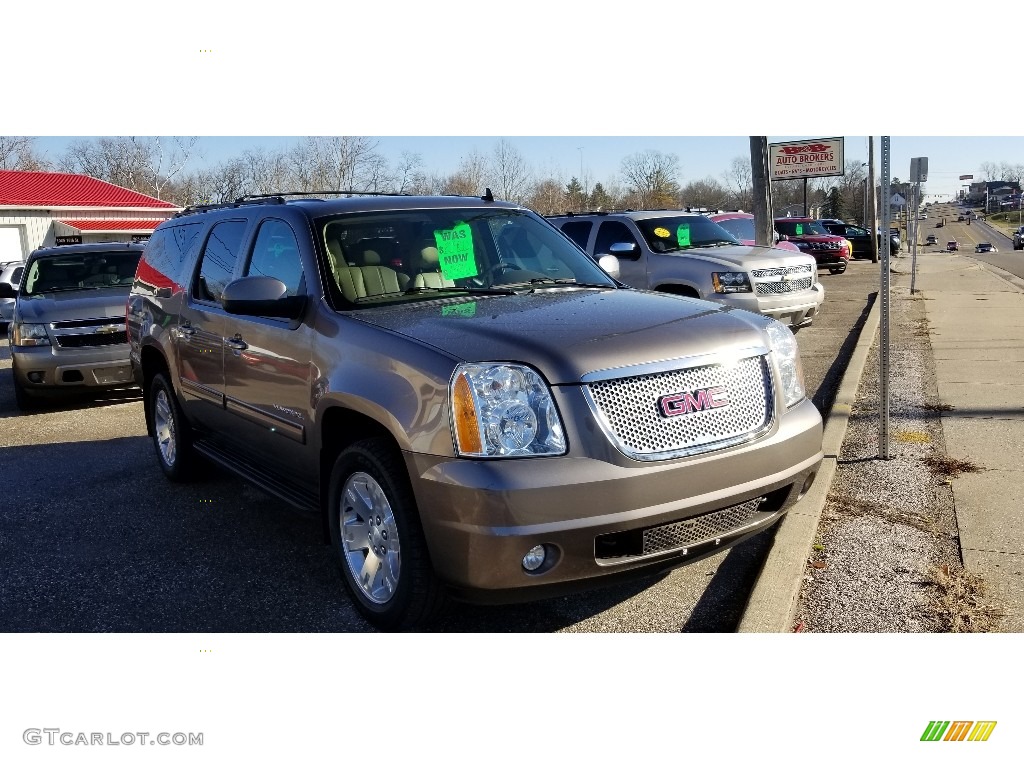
976,327
975,316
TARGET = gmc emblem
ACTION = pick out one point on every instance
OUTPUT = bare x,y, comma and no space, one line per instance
689,402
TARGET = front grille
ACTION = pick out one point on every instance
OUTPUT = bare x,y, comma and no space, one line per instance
628,409
680,535
88,323
93,339
783,286
687,533
803,269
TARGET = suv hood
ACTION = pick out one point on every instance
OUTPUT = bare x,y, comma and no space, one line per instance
743,257
87,304
573,332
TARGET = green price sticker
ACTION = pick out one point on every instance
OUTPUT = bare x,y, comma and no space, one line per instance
799,229
455,251
683,235
459,310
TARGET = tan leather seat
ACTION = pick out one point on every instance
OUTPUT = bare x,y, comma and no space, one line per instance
360,282
428,274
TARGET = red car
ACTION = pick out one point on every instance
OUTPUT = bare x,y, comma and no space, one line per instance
831,252
741,226
952,245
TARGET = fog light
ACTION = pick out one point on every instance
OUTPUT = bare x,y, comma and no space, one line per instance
36,377
807,485
534,559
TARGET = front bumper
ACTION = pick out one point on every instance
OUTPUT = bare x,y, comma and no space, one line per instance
51,369
481,517
794,309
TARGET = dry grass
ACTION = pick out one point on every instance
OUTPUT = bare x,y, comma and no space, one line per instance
959,601
947,467
838,506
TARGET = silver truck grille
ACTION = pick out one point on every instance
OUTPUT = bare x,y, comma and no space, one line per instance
783,286
777,272
628,409
687,533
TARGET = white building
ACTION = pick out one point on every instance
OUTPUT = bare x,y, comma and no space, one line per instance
40,209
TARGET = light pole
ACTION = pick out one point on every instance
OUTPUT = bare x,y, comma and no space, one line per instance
583,181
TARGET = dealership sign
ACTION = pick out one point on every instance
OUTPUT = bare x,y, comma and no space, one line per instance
806,159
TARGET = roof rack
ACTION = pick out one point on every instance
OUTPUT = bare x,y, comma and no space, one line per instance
277,198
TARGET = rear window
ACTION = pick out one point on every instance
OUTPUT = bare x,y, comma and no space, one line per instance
742,228
81,271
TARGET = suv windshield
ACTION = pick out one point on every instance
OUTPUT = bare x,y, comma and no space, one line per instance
403,255
740,228
676,233
78,271
799,228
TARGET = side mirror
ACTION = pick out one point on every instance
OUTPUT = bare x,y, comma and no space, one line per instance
784,237
8,291
624,250
261,297
609,264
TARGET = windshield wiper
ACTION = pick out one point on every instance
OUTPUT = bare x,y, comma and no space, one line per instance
462,289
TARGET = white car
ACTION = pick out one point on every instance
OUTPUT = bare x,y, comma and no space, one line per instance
985,248
10,274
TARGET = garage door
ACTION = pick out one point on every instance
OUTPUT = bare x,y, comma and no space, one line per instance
10,244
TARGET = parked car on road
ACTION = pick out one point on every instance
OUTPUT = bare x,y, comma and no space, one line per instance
10,276
831,252
741,226
860,238
67,331
689,255
495,420
985,248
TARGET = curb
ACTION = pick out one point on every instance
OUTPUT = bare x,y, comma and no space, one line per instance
773,599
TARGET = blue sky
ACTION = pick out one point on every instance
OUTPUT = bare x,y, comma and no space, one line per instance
700,156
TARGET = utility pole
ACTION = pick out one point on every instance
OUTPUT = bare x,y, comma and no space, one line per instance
764,227
873,204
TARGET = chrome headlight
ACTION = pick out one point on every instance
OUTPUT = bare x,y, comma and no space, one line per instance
503,409
30,335
731,282
787,357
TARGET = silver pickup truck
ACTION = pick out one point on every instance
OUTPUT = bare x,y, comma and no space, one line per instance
688,254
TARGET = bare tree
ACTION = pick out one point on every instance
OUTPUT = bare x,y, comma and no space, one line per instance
739,179
17,153
334,163
470,178
705,193
510,172
408,172
990,171
652,179
145,165
547,197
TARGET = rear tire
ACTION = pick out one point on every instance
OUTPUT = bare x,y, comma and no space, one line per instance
172,437
378,541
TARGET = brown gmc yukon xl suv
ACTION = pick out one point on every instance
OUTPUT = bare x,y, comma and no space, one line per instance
473,406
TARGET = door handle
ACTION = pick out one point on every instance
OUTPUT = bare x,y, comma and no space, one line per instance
235,343
186,331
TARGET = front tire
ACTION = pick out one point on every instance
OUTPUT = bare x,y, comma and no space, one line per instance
171,435
376,536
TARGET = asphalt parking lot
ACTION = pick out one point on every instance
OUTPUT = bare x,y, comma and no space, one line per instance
94,539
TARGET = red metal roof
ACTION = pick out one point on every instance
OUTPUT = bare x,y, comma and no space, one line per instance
35,189
112,225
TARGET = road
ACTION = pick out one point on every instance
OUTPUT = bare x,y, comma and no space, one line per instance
94,538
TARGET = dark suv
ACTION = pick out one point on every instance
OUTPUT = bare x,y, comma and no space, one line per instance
67,329
473,407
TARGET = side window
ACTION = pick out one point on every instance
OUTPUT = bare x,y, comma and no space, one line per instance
16,275
217,264
276,254
856,232
164,256
612,232
579,231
